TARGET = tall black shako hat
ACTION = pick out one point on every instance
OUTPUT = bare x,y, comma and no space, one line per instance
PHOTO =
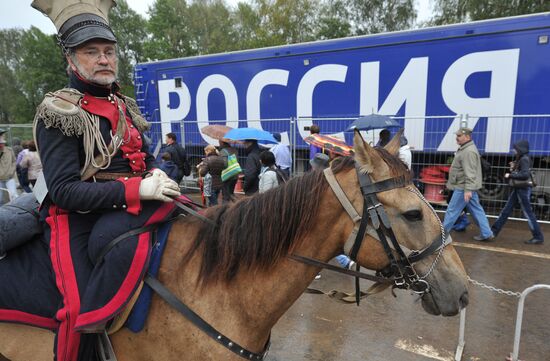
78,21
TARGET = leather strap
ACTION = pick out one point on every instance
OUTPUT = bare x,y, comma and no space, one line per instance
122,237
115,176
339,193
199,322
316,263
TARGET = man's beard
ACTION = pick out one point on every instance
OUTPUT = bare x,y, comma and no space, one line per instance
99,79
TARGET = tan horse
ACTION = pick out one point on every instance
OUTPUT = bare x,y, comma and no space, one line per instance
237,275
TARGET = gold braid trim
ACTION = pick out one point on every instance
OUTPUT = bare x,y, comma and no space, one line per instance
137,117
61,110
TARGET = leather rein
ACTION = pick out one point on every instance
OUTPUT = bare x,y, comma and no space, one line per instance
400,272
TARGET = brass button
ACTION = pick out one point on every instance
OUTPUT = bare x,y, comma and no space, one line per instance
85,102
125,178
124,206
114,206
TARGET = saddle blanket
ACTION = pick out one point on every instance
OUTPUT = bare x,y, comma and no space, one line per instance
28,291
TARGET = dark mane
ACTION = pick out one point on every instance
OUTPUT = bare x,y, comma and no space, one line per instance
255,232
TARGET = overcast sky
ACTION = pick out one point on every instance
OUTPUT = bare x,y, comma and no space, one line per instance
21,15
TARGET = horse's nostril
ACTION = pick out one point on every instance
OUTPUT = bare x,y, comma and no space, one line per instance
464,299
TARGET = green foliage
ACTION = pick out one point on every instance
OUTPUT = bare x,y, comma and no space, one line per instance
42,68
130,30
375,16
334,20
285,21
246,27
168,27
11,98
455,11
211,27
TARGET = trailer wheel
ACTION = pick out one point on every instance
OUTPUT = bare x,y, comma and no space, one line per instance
495,187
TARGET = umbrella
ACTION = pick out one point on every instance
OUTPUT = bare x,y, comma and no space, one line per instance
373,121
330,143
216,131
250,133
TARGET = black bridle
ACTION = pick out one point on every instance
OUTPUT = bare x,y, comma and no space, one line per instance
400,271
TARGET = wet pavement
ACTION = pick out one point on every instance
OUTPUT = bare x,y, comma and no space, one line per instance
384,328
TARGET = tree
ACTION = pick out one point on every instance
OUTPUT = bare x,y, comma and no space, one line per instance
246,22
210,27
376,16
456,11
169,30
334,20
11,97
42,69
130,30
286,21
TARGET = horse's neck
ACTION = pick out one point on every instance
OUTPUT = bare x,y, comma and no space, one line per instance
246,309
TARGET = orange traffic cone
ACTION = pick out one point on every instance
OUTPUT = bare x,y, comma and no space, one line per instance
239,184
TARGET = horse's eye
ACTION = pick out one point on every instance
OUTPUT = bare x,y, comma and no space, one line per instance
413,216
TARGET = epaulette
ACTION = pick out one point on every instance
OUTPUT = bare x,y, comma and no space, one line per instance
61,109
137,117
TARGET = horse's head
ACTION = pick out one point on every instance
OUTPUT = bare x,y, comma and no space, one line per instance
413,224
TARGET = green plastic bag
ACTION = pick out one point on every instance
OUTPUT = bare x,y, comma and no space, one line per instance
233,168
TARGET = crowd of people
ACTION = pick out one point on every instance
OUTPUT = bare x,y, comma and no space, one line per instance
19,162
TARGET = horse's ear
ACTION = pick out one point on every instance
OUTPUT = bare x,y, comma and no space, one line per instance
367,158
393,146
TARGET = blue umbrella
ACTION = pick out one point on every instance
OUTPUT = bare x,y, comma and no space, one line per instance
373,121
250,133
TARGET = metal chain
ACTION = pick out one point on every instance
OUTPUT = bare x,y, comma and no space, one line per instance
477,283
494,289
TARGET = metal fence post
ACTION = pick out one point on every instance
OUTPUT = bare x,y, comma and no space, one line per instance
519,318
461,343
292,130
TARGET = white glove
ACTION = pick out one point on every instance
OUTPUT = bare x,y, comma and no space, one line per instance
159,172
157,187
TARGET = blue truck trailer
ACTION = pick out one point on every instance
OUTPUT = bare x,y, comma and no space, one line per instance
493,71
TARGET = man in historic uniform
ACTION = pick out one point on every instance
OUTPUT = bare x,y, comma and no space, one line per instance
100,178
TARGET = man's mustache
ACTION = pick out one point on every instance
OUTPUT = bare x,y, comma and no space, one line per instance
97,70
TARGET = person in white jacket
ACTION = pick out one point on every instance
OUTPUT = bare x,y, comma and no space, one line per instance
268,174
405,153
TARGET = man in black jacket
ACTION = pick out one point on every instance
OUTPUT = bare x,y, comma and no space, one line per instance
179,156
252,167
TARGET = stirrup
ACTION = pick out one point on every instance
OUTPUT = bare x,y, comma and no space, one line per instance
105,348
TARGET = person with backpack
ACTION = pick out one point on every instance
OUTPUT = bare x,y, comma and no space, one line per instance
270,175
228,187
521,182
178,155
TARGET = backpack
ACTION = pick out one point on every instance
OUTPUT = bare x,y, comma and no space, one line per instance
183,163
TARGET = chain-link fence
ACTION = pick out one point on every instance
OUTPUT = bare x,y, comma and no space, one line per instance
431,139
